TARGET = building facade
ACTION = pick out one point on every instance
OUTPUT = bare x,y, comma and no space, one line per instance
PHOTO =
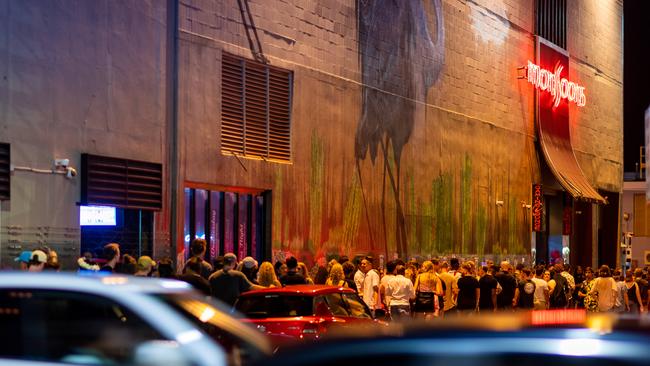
327,128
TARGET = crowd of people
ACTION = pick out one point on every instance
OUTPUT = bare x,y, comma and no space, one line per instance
434,288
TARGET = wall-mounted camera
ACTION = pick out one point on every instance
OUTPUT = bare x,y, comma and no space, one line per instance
70,172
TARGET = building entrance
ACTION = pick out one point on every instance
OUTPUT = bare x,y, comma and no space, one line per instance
236,221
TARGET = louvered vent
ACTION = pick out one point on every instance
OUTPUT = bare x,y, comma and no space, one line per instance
551,21
120,182
5,161
255,110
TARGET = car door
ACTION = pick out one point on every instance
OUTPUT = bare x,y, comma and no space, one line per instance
67,326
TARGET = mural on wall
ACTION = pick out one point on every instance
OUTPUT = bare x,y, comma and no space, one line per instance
416,179
394,83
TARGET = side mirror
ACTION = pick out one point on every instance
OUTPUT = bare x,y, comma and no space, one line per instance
157,353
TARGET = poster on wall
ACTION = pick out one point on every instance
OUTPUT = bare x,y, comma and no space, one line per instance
537,211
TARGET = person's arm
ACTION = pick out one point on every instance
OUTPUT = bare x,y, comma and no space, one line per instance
411,291
515,299
439,287
417,282
547,296
638,297
494,299
478,295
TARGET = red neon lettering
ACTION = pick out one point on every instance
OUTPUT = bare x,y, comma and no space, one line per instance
559,87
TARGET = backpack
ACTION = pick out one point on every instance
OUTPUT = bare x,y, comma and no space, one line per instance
560,295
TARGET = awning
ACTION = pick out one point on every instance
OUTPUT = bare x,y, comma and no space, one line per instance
555,140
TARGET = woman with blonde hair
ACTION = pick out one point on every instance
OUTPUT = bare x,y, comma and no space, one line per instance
336,276
266,276
427,288
302,269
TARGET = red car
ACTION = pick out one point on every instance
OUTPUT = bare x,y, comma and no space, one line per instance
302,311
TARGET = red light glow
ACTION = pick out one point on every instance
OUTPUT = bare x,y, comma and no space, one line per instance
562,316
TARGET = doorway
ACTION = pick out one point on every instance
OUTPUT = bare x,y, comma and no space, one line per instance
236,221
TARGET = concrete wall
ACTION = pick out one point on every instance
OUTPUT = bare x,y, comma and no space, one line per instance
75,77
462,138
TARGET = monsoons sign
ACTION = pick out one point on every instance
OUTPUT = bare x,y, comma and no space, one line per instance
554,83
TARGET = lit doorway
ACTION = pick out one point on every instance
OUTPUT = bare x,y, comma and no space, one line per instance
235,221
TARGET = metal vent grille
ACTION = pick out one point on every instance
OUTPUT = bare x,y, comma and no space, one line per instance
551,21
120,182
255,110
5,161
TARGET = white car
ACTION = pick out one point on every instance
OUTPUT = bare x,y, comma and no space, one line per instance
107,320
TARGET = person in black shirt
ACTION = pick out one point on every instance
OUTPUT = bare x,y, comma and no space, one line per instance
525,292
192,276
488,285
468,291
508,286
227,284
111,254
292,277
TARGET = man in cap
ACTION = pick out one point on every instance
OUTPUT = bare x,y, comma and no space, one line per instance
23,259
145,266
37,261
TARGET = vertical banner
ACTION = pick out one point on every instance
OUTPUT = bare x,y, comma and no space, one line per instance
242,225
200,201
229,234
215,221
647,146
538,208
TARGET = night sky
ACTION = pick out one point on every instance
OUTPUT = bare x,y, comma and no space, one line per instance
636,68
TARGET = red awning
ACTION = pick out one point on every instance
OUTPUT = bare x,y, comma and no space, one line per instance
555,140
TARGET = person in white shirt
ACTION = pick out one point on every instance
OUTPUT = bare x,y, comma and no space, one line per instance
540,300
369,289
400,291
390,274
605,287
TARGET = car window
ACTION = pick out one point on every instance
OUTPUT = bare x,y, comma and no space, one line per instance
275,306
242,348
356,306
337,305
69,327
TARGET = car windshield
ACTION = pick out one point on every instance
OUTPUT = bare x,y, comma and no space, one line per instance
275,306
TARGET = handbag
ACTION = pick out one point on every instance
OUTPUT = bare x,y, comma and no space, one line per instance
424,301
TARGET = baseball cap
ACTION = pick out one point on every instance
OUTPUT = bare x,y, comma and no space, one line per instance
24,257
249,262
38,256
145,262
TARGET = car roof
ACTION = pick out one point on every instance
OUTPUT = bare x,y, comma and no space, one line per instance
309,290
92,282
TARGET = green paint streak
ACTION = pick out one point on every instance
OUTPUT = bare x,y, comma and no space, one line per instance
277,211
466,205
481,229
411,217
442,208
352,213
316,186
513,240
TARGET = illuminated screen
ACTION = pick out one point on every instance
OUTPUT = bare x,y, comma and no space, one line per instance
97,216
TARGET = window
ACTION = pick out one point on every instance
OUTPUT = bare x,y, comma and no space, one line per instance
337,306
641,219
275,306
551,21
255,110
68,327
5,159
356,306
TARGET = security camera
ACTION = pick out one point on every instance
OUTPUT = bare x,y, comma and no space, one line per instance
70,172
61,163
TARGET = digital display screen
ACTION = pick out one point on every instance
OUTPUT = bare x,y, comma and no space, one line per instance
97,216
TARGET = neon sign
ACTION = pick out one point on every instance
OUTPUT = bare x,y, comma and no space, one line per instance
559,87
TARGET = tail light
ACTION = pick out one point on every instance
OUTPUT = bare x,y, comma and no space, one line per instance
312,330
